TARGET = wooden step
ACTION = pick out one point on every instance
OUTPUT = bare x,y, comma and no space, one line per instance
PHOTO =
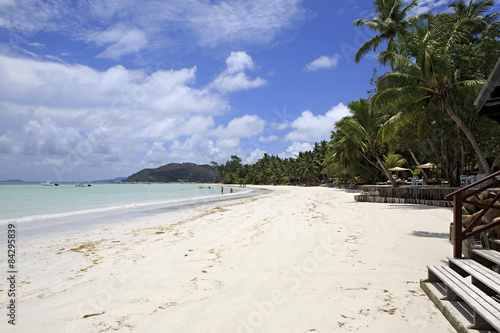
481,276
486,257
486,310
495,244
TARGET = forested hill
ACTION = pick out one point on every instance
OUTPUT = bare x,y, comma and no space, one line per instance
173,172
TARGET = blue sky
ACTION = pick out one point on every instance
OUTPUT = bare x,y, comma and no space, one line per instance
100,89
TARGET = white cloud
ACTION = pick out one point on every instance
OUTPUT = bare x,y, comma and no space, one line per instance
119,41
243,127
281,126
156,155
70,119
323,62
253,157
310,128
424,6
56,85
233,78
48,138
151,24
170,128
268,138
235,82
257,21
296,148
238,62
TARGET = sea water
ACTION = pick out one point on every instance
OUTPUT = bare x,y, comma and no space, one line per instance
40,209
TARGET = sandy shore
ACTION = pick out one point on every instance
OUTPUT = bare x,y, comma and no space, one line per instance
295,260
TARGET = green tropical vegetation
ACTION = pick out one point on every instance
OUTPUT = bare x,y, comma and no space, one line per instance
175,172
420,111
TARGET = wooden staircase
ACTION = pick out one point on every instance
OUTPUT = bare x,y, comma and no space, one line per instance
467,290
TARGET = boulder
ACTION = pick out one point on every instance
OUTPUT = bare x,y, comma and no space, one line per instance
492,213
485,195
471,207
497,228
467,219
465,211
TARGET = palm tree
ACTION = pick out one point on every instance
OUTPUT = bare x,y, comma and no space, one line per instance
390,22
365,128
470,18
426,82
309,167
393,160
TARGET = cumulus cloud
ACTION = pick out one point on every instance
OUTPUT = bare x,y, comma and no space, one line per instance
47,138
233,78
238,62
156,155
66,117
323,62
253,157
49,84
310,128
243,127
296,148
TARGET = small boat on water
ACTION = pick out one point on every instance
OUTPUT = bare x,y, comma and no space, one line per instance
204,186
49,183
82,185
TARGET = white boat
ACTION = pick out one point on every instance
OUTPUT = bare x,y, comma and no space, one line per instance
49,183
82,185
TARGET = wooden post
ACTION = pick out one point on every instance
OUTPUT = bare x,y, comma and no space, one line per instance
457,225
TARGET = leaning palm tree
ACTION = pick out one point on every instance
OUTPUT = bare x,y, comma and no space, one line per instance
365,127
423,78
390,22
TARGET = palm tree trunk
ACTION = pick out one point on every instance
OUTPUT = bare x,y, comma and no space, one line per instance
384,168
424,174
468,133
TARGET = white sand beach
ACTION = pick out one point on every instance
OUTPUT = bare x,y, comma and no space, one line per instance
294,260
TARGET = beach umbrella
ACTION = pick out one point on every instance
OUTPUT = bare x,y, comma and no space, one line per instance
426,166
398,169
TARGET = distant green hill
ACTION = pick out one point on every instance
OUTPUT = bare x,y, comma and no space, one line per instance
173,172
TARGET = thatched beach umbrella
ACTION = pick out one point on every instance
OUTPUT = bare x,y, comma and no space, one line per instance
426,166
398,169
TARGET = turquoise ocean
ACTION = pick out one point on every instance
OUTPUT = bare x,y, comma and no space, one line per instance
38,209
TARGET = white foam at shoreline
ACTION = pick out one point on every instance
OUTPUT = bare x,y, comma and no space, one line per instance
151,204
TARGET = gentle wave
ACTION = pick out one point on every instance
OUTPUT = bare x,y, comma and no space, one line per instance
151,204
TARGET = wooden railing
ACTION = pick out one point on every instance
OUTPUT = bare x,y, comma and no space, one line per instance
459,198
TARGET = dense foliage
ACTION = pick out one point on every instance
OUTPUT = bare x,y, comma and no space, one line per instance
420,111
175,172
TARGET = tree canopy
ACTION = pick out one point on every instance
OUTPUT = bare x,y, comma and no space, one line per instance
421,110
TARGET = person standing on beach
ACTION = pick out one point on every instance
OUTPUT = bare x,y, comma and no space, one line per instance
222,190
